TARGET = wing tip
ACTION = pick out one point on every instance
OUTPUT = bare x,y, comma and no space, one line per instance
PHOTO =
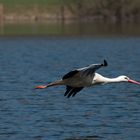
105,63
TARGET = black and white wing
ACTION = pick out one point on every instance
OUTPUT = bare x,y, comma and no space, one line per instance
72,91
85,71
70,74
90,70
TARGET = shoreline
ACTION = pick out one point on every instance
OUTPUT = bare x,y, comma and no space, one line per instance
54,14
69,29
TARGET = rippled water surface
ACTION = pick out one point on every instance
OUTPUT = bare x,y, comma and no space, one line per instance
98,113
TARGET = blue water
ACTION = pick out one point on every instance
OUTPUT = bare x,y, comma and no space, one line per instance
98,113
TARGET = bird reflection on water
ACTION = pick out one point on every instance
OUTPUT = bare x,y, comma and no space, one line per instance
94,137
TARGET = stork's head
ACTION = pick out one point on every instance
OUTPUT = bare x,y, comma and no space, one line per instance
124,78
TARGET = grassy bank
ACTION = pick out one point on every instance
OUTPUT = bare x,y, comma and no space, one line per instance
105,10
29,2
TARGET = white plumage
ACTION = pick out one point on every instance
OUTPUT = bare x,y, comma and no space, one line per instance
77,79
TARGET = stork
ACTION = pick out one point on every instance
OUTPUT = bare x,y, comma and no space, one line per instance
77,79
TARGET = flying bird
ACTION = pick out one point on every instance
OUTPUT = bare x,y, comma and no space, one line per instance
77,79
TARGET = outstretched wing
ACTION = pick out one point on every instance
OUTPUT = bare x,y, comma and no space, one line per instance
90,70
72,91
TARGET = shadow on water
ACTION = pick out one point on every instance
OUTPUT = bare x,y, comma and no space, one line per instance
70,29
94,137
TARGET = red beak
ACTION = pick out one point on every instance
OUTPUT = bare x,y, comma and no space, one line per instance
134,82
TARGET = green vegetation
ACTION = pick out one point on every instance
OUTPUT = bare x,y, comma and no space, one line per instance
48,17
106,10
29,2
117,10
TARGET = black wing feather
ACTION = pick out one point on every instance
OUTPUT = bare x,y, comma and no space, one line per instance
105,63
68,89
92,68
72,91
70,74
76,91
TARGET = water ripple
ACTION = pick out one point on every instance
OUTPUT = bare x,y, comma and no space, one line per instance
98,113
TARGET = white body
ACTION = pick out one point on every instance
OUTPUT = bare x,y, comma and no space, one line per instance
87,81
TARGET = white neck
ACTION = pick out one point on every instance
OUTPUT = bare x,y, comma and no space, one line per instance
101,79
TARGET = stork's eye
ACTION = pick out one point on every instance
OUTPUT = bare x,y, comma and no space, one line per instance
126,78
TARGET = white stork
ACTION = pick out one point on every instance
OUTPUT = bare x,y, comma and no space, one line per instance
77,79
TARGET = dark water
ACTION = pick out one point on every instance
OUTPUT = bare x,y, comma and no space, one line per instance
98,113
70,29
